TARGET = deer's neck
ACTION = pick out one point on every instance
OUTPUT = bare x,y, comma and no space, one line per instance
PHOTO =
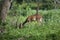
24,22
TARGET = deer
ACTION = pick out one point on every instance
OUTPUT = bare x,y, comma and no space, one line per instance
36,17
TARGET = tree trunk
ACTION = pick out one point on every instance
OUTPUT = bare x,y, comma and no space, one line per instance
4,10
37,8
55,4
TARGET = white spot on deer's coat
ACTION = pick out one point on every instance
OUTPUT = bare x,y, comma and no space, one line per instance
34,18
40,19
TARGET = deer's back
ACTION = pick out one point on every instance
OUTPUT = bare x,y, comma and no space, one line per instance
34,17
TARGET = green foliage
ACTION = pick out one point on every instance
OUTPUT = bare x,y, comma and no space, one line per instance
18,9
50,30
45,4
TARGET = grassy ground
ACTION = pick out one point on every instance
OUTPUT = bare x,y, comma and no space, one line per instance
49,30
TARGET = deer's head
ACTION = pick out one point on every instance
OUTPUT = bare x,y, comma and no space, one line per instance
20,25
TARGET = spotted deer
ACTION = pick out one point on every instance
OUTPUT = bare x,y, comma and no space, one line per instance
31,18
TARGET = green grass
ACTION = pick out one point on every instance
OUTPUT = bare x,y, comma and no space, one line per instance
49,30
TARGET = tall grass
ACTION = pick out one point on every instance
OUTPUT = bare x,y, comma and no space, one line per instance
49,30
